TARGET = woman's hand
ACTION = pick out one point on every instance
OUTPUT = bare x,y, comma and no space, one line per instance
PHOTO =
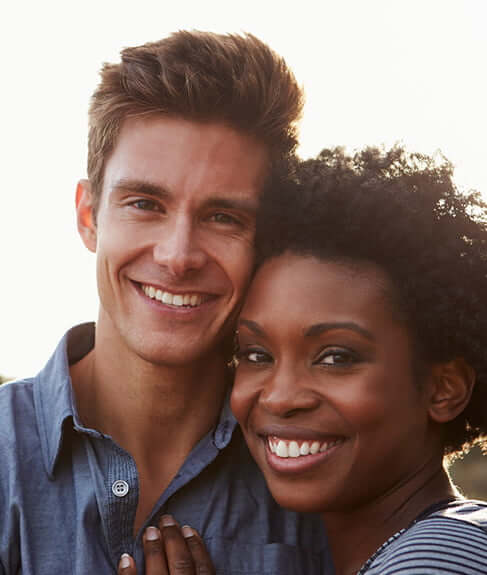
170,550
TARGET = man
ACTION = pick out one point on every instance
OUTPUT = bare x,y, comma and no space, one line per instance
129,420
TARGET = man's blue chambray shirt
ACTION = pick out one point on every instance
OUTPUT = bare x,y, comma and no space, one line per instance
68,494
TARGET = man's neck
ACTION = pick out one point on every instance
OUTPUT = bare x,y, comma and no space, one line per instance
137,402
157,413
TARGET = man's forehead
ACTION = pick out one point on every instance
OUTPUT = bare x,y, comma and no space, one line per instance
135,130
168,154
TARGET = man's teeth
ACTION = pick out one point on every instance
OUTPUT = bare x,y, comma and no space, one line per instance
186,299
284,448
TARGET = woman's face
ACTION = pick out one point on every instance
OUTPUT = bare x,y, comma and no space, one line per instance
325,391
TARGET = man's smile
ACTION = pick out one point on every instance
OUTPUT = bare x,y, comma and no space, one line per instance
174,299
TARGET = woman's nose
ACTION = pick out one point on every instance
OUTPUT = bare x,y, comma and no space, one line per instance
284,394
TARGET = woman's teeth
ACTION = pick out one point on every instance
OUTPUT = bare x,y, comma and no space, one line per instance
187,299
284,448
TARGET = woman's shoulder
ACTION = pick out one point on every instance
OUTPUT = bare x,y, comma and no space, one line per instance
449,540
467,510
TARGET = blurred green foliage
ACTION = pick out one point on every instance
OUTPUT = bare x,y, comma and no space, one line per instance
470,474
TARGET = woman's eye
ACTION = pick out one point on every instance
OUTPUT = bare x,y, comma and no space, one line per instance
337,357
256,357
253,356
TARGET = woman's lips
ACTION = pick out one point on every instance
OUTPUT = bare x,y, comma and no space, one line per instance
293,448
285,455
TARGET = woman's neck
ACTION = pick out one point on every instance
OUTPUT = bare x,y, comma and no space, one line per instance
355,534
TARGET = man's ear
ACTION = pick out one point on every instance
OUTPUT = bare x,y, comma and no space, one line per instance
85,214
452,385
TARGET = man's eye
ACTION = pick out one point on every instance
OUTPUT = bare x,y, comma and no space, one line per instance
223,218
337,357
145,204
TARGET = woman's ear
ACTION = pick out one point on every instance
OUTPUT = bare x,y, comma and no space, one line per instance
85,214
452,385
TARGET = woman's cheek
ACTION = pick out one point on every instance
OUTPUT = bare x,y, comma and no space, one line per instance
244,395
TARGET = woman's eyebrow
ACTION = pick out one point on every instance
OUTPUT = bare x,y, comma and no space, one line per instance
251,325
319,328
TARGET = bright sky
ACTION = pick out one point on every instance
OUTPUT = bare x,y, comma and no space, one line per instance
374,71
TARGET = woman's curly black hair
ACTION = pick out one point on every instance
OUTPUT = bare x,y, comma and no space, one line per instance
402,212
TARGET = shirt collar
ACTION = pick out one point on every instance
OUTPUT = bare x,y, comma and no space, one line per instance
53,393
226,424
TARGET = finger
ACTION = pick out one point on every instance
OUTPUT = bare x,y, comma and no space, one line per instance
155,560
178,556
203,564
126,565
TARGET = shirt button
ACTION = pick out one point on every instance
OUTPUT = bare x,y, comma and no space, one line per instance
120,488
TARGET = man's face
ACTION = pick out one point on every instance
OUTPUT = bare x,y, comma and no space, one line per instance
174,235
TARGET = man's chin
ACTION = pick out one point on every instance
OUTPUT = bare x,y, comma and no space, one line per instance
178,356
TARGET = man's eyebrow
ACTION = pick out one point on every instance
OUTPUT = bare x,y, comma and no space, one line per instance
141,187
245,205
319,328
251,325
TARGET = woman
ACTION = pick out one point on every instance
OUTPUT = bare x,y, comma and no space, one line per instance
362,358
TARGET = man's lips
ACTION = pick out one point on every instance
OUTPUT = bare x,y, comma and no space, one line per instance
176,299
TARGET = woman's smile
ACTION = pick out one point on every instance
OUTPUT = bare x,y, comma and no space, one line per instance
284,456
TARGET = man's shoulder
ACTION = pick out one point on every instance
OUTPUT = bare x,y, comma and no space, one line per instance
16,386
19,437
16,405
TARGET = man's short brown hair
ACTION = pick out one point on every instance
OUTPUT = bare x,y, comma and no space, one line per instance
200,76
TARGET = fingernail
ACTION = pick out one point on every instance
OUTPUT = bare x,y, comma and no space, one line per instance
125,561
187,531
168,520
152,534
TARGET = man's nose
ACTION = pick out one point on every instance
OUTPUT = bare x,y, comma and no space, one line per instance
179,249
285,393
